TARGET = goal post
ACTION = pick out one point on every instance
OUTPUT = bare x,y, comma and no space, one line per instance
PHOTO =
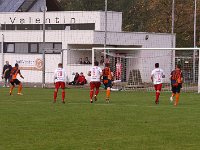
137,64
199,73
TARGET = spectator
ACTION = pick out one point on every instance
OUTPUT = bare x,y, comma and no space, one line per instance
81,79
6,74
80,61
102,60
95,60
86,61
75,79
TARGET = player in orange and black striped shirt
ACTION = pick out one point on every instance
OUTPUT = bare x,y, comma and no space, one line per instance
176,82
14,81
107,80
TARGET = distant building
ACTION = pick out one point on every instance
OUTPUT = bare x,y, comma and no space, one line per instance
21,30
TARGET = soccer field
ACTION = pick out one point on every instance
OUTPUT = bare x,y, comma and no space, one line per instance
130,121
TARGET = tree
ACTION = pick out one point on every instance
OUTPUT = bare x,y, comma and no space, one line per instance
147,15
156,16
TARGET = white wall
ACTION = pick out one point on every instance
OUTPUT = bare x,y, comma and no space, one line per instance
65,37
51,63
27,61
65,17
29,69
91,37
33,74
135,38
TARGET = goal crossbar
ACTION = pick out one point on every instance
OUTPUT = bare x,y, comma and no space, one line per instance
111,48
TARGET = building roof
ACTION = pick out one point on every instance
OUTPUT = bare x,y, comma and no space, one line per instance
10,5
26,5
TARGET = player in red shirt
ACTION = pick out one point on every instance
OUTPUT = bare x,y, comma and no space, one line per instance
14,81
59,80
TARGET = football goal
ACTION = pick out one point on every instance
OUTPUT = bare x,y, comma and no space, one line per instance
133,66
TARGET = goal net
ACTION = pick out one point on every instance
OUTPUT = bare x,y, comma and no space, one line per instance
133,66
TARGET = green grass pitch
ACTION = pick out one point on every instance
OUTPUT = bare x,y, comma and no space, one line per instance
131,121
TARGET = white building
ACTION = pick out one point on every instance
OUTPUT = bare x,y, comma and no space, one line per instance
21,37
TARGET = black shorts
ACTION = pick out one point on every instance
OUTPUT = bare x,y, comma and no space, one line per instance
107,82
7,77
177,89
15,82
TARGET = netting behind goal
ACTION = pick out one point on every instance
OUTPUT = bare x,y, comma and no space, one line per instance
133,66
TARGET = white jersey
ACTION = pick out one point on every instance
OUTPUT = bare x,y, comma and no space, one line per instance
157,75
118,66
60,75
95,74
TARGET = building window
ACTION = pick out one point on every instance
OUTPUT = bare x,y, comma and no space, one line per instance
82,26
9,48
55,27
57,46
33,48
28,27
7,27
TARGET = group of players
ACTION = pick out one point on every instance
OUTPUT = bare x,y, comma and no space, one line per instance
60,75
176,78
97,75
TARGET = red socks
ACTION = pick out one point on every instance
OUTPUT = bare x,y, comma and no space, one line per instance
63,96
91,93
157,96
97,92
55,95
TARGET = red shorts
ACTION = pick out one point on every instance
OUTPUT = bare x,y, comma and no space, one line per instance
95,85
158,87
118,75
60,84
